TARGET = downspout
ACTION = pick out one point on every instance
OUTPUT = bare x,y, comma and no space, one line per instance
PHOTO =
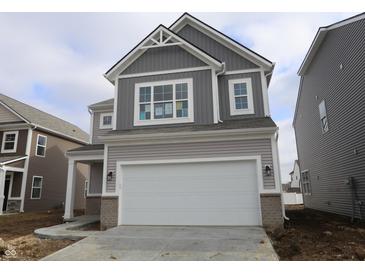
218,74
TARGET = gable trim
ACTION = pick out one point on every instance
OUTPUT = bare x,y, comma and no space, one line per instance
159,72
223,39
137,51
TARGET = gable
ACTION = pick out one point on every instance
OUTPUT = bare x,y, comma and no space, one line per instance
233,60
7,116
160,37
163,58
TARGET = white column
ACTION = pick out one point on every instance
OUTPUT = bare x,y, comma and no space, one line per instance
2,188
70,190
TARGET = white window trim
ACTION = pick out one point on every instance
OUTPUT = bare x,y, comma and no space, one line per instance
324,130
3,150
45,146
174,120
306,182
232,103
102,115
41,188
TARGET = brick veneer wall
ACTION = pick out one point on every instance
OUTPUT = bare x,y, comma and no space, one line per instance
93,205
109,212
271,210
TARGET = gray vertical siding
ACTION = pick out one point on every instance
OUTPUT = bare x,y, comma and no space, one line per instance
164,58
202,91
256,92
96,178
331,157
97,131
233,60
7,116
192,150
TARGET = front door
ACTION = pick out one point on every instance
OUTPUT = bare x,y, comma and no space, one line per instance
6,191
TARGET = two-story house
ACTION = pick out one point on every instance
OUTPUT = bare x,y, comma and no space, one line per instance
329,119
187,138
33,164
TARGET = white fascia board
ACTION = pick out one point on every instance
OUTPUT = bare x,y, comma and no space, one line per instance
212,33
138,51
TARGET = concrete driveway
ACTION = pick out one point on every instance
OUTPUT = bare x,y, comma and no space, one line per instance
178,243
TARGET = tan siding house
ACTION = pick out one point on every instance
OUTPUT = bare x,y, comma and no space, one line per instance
33,163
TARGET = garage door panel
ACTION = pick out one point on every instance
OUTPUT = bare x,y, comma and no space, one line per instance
206,193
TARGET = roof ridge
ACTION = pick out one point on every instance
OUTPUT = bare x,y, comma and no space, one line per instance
11,98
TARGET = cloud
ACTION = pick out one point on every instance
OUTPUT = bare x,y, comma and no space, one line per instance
55,61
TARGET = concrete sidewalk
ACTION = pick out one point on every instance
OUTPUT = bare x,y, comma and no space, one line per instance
69,230
174,243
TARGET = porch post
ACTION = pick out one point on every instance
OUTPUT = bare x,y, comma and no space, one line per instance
70,190
2,188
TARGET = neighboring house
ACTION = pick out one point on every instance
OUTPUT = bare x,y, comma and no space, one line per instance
187,138
294,184
33,164
329,119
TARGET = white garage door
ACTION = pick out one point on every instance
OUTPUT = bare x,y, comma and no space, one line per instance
201,193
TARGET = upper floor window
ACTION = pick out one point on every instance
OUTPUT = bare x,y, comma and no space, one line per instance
240,96
164,102
41,145
10,141
323,116
106,120
306,182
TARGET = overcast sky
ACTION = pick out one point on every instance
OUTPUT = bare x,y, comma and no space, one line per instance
55,61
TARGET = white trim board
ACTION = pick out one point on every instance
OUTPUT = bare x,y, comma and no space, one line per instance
161,72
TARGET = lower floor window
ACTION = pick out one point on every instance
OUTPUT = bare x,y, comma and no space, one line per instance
36,187
306,183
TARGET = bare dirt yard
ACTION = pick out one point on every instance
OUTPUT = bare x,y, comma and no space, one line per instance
17,239
314,235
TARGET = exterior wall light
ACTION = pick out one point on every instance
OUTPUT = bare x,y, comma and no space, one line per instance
268,170
109,176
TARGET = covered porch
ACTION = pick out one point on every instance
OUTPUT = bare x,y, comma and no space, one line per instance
93,156
12,184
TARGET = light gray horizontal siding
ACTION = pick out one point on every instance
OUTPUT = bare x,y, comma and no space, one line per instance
192,150
330,157
202,91
97,131
233,60
163,58
96,178
256,92
8,116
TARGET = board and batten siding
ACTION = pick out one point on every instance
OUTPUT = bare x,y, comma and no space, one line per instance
256,92
192,150
233,60
202,92
7,116
163,58
334,156
97,131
